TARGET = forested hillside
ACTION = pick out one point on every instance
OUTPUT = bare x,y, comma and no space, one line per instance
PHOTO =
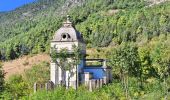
134,36
29,29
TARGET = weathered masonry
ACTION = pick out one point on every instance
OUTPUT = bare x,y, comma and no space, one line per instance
89,75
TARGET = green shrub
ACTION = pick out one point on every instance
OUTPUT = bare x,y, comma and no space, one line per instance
16,88
2,76
39,73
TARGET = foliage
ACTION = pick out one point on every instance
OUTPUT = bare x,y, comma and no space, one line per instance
19,86
16,88
61,58
125,58
38,73
71,94
2,74
128,25
67,60
113,91
29,29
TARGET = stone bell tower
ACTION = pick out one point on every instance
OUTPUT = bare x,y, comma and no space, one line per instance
66,37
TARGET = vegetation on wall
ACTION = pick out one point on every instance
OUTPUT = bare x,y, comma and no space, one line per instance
67,61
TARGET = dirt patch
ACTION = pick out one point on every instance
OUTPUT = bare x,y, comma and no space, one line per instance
155,2
113,11
19,65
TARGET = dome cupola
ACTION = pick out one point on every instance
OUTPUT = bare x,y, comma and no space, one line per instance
67,33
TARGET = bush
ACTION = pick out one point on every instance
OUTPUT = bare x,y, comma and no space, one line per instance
39,73
16,88
1,79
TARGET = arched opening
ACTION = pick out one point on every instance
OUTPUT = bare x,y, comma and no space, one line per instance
65,36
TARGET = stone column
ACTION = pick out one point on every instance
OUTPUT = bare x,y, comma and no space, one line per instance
53,73
67,80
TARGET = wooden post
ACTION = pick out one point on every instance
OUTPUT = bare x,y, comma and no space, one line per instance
97,83
47,86
110,76
104,80
93,84
101,82
51,85
41,86
90,85
35,87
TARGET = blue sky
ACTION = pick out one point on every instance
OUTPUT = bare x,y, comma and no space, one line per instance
8,5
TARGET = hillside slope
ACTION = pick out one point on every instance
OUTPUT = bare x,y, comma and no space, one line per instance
29,29
18,66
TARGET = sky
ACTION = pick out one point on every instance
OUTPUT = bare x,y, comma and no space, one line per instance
8,5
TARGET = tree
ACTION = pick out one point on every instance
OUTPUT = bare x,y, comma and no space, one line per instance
38,73
76,57
2,75
165,62
161,60
125,60
118,60
146,64
16,88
